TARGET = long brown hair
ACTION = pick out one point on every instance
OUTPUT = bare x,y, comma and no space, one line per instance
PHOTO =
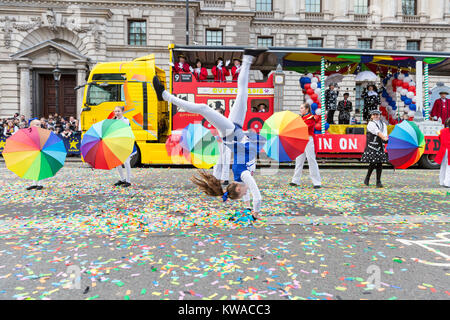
212,186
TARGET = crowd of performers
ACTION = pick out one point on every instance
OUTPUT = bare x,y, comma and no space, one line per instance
220,70
246,146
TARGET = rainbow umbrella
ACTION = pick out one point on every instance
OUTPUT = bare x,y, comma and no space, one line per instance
406,145
107,144
175,150
286,134
202,146
34,153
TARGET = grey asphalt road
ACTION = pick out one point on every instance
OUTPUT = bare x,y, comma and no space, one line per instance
161,239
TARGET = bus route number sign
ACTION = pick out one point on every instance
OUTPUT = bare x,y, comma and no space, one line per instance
183,77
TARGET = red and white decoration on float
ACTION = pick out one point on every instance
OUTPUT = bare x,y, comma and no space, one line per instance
311,88
406,87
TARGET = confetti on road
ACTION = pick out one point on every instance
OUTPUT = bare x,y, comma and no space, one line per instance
161,239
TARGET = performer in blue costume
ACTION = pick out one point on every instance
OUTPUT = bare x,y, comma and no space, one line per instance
245,146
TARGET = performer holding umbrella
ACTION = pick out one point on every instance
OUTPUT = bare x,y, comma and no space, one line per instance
309,153
124,181
374,153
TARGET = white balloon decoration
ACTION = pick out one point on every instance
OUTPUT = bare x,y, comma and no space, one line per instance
403,92
410,94
318,91
309,101
407,79
307,97
309,75
314,80
318,111
314,85
411,113
401,76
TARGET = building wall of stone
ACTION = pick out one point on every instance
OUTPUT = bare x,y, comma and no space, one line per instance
100,30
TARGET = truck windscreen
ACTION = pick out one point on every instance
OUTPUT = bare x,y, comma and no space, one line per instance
105,92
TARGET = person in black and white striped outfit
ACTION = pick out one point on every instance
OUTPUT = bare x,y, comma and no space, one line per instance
374,153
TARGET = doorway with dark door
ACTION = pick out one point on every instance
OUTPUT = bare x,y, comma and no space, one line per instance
67,95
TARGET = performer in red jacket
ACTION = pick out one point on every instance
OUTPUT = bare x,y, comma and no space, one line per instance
220,71
182,65
443,155
309,154
200,73
236,68
441,108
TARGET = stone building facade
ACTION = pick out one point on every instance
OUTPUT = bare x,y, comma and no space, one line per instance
37,35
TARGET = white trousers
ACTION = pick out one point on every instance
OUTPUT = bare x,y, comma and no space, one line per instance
310,155
222,168
444,174
128,168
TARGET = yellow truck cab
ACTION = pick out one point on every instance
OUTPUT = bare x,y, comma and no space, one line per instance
129,84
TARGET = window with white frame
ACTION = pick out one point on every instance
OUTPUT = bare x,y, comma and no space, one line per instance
264,5
265,41
413,45
214,37
315,42
313,6
361,6
409,7
364,44
137,32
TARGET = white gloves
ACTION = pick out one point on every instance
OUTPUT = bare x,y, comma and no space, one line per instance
197,70
191,69
238,69
219,65
227,63
171,64
180,65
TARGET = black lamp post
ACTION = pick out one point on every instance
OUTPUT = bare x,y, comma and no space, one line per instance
57,76
187,22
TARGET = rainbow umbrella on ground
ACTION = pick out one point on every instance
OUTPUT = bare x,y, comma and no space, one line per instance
34,153
175,150
202,146
286,134
107,144
406,145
